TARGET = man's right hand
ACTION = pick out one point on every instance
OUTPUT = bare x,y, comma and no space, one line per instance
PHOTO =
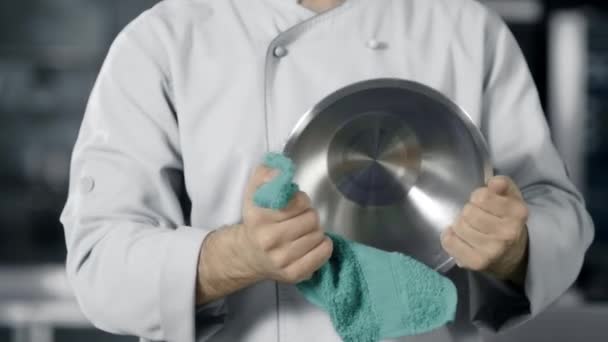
284,245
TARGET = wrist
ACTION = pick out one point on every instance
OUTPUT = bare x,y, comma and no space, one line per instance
518,274
516,266
223,267
241,253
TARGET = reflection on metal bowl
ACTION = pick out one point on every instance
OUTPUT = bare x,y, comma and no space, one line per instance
389,163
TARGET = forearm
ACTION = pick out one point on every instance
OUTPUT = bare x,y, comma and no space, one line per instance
223,267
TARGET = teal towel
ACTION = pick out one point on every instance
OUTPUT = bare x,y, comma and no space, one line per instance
369,294
277,193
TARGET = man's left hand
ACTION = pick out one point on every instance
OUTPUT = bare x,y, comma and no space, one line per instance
490,235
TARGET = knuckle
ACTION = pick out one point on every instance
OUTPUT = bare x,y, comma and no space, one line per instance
455,229
291,275
447,240
317,237
462,223
312,218
305,199
328,247
503,179
280,260
300,201
258,216
460,228
265,241
468,210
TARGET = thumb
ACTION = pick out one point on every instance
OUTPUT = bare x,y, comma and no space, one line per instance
504,186
261,175
269,174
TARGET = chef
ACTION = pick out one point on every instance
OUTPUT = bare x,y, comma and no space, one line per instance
163,240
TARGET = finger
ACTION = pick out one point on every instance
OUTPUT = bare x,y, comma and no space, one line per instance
490,202
498,185
496,228
503,207
300,247
461,251
296,227
504,186
312,261
484,244
481,220
260,175
299,204
469,235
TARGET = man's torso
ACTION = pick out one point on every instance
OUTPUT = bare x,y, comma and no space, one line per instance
243,72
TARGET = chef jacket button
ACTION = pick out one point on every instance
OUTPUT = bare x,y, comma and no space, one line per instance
375,44
87,184
280,51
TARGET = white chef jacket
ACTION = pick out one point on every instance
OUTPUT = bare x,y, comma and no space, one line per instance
194,92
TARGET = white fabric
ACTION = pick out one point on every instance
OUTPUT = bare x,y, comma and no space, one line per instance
191,96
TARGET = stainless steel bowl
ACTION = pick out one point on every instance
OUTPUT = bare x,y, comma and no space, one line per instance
389,163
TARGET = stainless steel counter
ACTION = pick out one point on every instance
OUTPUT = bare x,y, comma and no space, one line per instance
34,300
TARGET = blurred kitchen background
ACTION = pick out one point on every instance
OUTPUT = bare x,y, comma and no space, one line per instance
51,51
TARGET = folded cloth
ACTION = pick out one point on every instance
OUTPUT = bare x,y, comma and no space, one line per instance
368,293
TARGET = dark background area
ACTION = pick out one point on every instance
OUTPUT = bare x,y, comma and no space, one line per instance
51,51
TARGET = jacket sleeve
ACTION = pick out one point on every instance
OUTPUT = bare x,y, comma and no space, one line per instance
560,229
132,259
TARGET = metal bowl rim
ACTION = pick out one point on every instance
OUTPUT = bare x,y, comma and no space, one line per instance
472,129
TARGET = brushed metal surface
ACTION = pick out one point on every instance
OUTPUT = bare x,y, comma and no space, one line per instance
389,163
